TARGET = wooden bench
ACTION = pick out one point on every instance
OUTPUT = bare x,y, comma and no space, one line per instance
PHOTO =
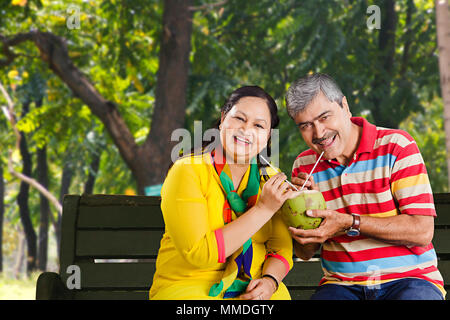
114,240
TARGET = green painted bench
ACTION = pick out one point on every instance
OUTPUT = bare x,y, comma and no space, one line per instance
113,241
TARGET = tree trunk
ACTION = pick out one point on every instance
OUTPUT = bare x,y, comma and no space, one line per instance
42,172
22,200
443,36
93,170
386,46
19,256
150,161
170,100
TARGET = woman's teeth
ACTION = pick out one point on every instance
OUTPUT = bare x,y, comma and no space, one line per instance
242,140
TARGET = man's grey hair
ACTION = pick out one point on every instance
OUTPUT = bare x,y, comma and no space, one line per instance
304,90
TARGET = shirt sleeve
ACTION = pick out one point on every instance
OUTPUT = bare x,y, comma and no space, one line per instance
410,185
279,244
185,213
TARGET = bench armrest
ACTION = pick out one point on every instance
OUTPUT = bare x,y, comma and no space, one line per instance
49,286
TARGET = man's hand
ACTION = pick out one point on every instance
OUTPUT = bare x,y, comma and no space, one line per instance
300,179
332,224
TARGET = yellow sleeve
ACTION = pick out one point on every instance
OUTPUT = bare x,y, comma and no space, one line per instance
185,213
280,241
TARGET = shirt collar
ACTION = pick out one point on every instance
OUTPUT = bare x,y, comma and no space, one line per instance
368,137
367,141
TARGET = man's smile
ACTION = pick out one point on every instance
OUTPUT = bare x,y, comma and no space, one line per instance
325,142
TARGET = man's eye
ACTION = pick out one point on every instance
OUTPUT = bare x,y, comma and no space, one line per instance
259,126
304,126
239,118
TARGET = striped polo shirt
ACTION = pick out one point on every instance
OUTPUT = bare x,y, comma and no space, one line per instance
386,177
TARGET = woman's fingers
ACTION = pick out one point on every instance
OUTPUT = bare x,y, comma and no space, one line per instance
274,192
276,179
257,289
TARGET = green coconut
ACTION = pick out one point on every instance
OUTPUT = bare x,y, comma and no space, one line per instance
294,209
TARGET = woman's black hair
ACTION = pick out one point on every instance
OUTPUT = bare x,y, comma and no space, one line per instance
233,99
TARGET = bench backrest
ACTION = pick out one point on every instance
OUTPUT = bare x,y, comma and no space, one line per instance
114,240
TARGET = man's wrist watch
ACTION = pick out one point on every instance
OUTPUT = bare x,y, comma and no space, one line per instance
354,229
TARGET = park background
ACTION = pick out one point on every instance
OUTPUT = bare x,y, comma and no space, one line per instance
94,90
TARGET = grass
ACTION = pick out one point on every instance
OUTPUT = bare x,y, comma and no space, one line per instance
18,289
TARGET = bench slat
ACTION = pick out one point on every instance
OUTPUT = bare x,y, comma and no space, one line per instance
110,295
137,275
441,197
120,217
301,293
114,200
443,214
441,241
306,273
118,243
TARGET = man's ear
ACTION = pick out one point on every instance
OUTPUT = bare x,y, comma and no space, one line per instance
345,105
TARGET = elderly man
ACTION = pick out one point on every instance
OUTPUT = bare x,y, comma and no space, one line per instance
376,235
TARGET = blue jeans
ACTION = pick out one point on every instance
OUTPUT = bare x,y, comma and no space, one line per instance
403,289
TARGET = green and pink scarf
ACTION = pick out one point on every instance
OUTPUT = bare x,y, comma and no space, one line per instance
236,275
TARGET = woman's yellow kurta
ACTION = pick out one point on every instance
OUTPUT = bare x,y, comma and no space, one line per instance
188,259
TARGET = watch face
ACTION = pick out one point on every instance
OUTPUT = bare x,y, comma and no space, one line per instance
353,232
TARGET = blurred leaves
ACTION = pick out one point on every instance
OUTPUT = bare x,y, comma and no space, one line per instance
254,42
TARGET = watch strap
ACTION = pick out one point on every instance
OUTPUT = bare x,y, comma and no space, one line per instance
356,221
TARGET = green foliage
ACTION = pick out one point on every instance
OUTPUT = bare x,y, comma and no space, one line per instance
253,42
272,43
427,129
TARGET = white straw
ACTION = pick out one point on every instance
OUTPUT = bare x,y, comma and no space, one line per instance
277,171
309,175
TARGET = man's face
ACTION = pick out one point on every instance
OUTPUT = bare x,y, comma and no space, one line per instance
326,126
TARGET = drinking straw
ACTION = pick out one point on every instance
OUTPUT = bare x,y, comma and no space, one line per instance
309,175
288,182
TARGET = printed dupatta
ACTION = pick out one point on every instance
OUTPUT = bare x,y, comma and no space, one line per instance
236,275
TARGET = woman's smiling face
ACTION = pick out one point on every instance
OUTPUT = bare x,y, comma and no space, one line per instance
245,129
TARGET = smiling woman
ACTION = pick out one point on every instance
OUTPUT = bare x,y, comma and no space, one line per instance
224,238
245,129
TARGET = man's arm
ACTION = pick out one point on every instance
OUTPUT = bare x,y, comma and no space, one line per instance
403,229
307,251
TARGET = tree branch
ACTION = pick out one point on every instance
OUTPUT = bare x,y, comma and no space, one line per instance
10,42
11,117
53,51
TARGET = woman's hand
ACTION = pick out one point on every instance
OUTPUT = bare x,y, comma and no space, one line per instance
274,193
259,289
